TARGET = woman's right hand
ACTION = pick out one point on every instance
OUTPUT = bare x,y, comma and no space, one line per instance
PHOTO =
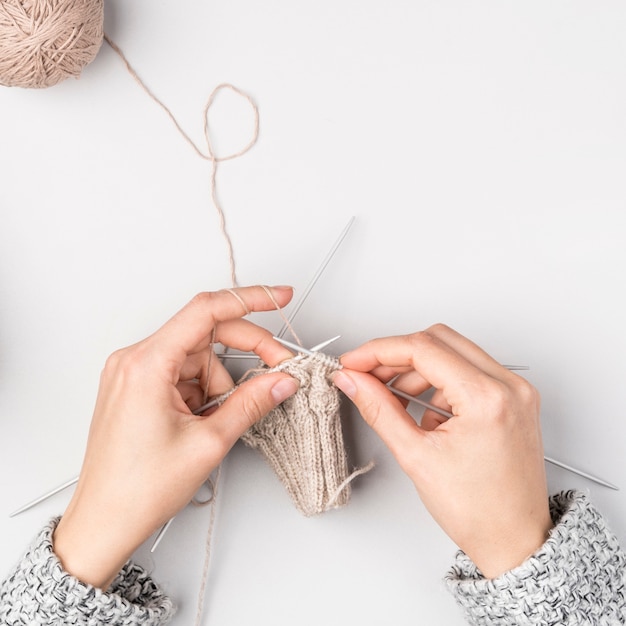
480,473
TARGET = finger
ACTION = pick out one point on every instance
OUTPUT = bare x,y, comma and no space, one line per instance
470,351
241,335
411,382
248,404
248,337
383,412
431,419
203,365
192,394
438,363
191,328
215,378
385,373
195,364
195,393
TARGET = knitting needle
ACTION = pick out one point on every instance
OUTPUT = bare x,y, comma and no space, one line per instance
56,490
316,276
448,415
317,348
157,539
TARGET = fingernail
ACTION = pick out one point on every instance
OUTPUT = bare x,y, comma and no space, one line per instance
283,287
283,389
345,383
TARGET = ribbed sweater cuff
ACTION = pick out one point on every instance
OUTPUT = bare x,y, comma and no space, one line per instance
576,577
39,591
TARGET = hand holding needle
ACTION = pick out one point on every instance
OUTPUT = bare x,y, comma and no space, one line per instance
481,473
449,415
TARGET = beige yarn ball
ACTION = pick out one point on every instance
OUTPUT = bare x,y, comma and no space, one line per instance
43,42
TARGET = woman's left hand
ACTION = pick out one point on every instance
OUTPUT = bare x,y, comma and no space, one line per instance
147,453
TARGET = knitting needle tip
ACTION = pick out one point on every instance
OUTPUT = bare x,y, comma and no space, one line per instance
574,470
324,344
157,539
294,346
47,495
317,275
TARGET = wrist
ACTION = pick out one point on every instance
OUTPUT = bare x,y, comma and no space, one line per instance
494,554
91,550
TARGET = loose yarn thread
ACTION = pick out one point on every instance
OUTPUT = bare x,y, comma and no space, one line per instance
209,155
213,483
43,42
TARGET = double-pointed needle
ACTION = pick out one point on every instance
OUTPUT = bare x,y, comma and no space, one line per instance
448,415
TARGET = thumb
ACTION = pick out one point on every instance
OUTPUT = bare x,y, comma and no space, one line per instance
384,413
249,403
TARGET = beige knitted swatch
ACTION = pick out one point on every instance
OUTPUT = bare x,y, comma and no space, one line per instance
302,438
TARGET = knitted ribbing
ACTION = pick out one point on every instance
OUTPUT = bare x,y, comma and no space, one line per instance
577,577
302,438
39,591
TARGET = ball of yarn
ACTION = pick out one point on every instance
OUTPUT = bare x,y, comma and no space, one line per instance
43,42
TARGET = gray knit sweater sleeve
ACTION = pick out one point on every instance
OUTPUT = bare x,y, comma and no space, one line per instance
577,577
39,591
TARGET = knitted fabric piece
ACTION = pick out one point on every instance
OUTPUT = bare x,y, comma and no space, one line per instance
302,438
577,577
39,591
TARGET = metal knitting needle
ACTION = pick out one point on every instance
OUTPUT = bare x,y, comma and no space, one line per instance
317,275
56,490
448,415
157,539
297,348
426,405
569,468
252,355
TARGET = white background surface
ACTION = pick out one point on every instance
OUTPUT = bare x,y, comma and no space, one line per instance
481,146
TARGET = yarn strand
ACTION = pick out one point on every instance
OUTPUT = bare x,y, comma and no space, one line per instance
209,155
207,550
